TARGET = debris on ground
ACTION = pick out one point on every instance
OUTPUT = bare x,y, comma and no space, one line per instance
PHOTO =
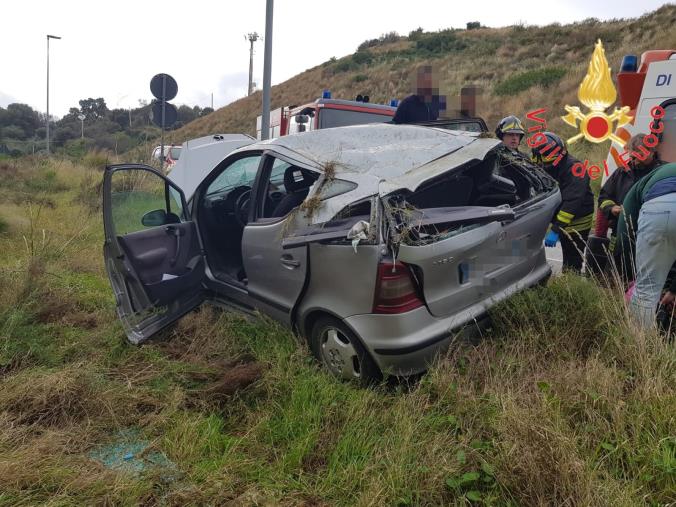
129,452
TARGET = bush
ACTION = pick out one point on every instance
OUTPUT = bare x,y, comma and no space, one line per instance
416,34
517,83
439,42
343,65
359,78
362,57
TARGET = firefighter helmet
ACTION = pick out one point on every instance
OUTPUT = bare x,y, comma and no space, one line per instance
509,125
548,151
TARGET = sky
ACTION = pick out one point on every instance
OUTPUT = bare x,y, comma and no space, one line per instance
113,49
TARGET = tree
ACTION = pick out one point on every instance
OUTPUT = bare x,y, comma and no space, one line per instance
187,114
22,116
473,25
206,111
94,108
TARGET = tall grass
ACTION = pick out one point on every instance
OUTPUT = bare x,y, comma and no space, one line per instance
562,403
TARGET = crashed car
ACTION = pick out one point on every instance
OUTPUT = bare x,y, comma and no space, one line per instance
376,243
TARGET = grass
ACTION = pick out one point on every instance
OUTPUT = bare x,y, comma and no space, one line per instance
563,402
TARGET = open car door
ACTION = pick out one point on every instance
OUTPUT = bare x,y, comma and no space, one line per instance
152,251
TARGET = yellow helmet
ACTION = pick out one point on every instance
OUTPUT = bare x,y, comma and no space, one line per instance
509,125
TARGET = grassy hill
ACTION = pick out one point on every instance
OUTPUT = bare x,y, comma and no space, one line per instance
511,64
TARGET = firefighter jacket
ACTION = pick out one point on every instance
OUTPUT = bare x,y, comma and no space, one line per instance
616,188
576,212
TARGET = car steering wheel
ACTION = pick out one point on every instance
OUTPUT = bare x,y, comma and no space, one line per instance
242,208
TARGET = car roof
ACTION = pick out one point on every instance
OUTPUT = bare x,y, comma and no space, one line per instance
385,151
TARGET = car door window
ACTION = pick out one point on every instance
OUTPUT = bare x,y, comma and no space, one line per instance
141,199
285,188
242,172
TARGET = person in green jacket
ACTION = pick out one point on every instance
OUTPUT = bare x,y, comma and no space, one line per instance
648,221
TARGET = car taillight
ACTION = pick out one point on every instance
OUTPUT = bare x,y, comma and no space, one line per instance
395,290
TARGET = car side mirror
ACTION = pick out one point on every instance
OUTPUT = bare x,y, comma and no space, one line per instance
154,218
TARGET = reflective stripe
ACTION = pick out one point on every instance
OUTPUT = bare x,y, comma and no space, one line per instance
564,217
606,203
581,224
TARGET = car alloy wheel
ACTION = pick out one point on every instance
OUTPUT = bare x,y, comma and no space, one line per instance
341,352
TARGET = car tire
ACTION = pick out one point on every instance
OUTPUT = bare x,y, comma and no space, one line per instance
340,351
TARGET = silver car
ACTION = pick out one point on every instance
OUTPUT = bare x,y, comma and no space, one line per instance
376,243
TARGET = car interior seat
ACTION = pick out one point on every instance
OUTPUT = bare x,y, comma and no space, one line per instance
297,183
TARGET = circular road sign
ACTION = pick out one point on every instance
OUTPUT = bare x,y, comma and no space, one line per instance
170,87
170,114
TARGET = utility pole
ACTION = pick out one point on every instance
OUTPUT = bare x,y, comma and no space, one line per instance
267,71
251,37
47,133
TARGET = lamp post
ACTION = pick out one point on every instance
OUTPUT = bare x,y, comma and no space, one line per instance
81,117
48,37
267,71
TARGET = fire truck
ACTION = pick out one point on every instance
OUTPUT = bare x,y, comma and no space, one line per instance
643,85
326,113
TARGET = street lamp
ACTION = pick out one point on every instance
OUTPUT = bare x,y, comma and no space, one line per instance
48,37
81,117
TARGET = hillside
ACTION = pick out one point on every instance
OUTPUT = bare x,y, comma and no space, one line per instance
497,59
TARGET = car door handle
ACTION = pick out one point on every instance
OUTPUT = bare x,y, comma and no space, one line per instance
289,261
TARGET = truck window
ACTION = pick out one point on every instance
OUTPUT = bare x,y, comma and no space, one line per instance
329,118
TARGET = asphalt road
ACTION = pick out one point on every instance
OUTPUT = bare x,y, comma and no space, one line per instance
555,258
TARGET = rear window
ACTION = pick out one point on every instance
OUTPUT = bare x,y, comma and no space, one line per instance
329,118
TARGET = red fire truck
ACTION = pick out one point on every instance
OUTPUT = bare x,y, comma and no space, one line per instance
325,113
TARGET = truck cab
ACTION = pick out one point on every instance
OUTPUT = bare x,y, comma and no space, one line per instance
644,85
325,113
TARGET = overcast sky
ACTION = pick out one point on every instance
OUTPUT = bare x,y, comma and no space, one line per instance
112,49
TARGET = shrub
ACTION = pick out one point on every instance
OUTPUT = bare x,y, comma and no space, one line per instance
359,78
439,42
517,83
343,66
416,34
362,57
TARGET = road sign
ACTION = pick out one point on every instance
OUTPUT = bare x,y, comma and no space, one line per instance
163,87
170,114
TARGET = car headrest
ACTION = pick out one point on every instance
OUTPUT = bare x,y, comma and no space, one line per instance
296,179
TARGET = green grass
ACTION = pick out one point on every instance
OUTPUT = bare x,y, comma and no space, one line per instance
522,81
561,403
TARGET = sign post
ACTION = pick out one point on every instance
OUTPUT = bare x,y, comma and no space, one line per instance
164,114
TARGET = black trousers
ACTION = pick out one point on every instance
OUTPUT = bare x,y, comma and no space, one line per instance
573,248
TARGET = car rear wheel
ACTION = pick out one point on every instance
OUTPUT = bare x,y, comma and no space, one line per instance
341,352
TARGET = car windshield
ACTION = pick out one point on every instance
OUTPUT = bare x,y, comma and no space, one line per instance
340,118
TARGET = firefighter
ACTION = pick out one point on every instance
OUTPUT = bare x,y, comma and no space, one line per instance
615,189
425,103
510,131
573,219
648,216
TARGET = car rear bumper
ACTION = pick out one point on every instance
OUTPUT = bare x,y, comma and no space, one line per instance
408,343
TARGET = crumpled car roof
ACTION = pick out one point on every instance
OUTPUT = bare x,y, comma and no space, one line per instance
380,150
